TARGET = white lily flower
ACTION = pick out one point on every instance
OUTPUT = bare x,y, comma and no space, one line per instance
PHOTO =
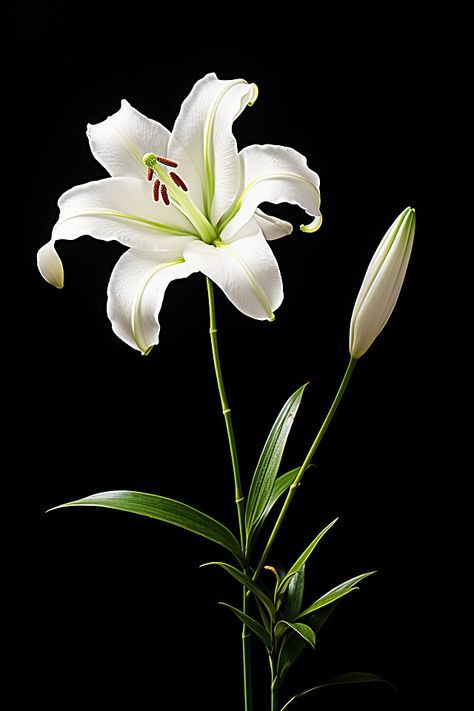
382,284
184,202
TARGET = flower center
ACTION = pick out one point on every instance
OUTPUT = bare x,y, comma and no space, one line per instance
168,185
159,185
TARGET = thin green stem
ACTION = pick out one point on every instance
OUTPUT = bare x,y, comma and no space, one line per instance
239,497
306,463
273,685
246,666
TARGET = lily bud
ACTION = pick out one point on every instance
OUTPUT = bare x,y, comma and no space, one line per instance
50,266
382,283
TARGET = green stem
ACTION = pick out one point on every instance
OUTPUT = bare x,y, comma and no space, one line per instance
246,666
306,463
239,497
273,686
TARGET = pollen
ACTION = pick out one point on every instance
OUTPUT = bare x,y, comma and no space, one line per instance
149,174
166,161
164,194
156,190
178,181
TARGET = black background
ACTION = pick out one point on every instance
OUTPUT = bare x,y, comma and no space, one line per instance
113,607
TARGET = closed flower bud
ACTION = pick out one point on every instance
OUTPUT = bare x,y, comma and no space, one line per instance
382,283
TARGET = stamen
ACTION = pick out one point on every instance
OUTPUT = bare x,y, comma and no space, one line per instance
149,174
164,194
165,161
156,190
178,181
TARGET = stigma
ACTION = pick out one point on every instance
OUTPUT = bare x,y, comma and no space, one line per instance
160,176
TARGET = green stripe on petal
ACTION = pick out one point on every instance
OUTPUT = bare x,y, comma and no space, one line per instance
136,291
133,218
255,286
275,174
136,319
209,156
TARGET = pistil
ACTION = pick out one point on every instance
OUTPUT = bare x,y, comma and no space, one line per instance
172,188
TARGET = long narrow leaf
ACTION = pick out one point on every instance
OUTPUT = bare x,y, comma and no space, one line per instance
249,584
300,628
269,462
282,483
303,558
354,678
289,653
319,618
252,624
267,622
335,593
163,509
294,595
294,645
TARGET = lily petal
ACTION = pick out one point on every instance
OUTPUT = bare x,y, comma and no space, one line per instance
272,227
244,268
203,144
135,294
273,174
122,209
120,142
50,265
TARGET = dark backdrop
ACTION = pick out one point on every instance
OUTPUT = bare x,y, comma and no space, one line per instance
112,607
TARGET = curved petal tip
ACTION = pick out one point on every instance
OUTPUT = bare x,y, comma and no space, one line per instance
254,95
50,265
313,226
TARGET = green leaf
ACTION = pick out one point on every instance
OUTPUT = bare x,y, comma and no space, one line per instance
294,645
252,624
335,593
163,509
249,584
282,484
267,622
294,595
303,630
317,619
354,678
267,468
303,558
289,653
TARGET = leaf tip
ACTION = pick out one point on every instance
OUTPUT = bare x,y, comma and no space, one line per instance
54,508
211,562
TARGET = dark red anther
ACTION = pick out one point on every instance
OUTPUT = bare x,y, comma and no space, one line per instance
165,161
164,194
156,190
178,181
149,174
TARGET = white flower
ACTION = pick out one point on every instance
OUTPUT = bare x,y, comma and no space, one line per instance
382,283
198,213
